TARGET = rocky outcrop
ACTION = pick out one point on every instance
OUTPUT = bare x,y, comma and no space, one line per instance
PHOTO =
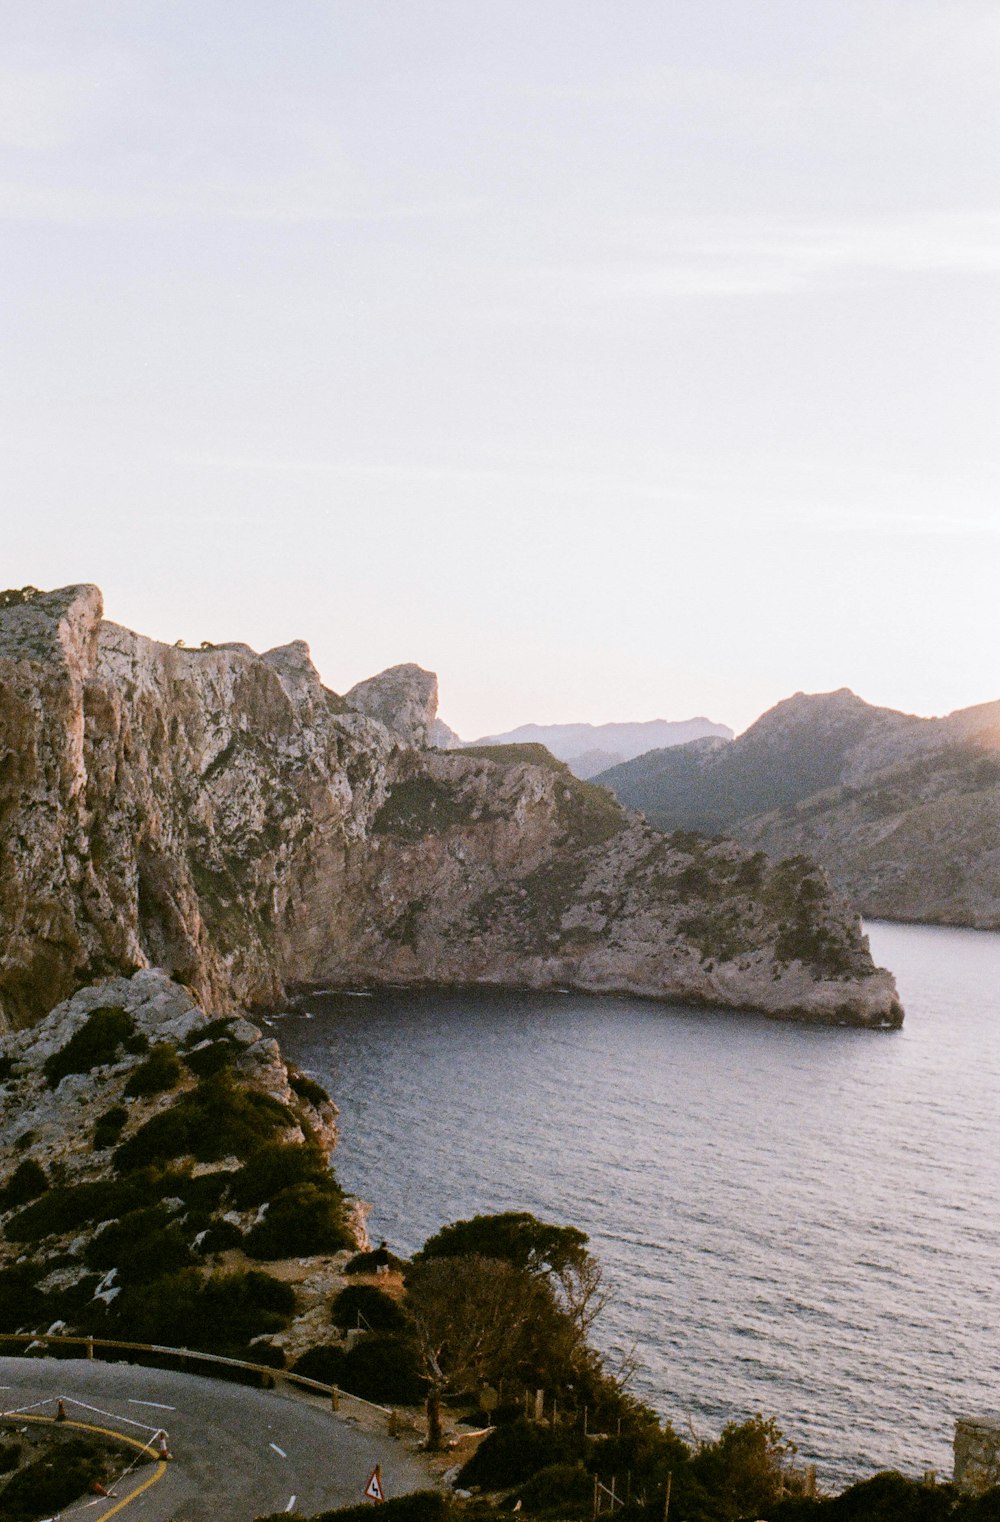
142,1141
53,1123
225,816
404,699
903,812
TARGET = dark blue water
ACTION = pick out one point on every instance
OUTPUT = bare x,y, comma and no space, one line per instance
803,1222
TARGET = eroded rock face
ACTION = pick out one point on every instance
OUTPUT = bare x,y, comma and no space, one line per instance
404,699
223,815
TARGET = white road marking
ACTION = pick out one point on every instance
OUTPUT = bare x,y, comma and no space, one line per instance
157,1404
291,1503
284,1455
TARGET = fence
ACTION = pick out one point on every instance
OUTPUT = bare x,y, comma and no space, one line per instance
333,1393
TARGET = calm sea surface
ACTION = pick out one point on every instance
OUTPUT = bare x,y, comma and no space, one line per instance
803,1222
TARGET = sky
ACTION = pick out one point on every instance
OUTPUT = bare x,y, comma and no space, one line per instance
615,359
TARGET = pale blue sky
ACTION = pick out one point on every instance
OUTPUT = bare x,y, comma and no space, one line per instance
615,360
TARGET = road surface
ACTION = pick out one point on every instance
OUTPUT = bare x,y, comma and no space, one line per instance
238,1453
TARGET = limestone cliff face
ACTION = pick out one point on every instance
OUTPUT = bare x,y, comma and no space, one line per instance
221,814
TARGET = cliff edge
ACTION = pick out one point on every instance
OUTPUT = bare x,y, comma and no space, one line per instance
223,815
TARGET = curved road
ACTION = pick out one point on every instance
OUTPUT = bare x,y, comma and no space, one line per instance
238,1453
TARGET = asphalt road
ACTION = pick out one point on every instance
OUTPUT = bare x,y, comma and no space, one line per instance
238,1453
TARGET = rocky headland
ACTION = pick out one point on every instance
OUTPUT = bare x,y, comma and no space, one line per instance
902,812
225,816
142,1140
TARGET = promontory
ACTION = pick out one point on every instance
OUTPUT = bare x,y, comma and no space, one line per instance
223,815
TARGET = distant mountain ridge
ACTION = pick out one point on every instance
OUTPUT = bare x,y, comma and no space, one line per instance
591,748
903,812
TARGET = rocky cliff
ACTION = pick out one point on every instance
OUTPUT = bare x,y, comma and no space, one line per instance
142,1141
903,812
222,814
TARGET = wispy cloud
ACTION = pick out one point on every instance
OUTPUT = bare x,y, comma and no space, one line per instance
740,258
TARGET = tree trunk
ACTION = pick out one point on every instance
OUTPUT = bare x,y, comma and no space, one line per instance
434,1432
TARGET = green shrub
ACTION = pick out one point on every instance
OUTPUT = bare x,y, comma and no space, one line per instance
378,1312
369,1262
324,1362
277,1166
160,1072
512,1454
43,1487
21,1303
384,1368
10,1456
213,1030
307,1088
220,1237
566,1486
64,1209
211,1059
27,1182
202,1194
100,1040
218,1315
109,1127
308,1218
217,1119
143,1244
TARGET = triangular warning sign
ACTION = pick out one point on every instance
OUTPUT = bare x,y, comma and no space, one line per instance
373,1490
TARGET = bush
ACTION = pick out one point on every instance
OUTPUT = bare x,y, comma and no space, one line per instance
21,1303
558,1485
64,1209
109,1127
43,1487
218,1315
211,1059
512,1454
144,1244
160,1072
308,1218
378,1311
202,1194
10,1456
369,1262
213,1121
277,1166
220,1237
101,1039
384,1368
27,1182
324,1362
307,1088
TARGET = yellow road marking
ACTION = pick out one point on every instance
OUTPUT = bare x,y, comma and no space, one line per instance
120,1437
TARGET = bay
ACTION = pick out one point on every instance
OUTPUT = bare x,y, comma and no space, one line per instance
796,1220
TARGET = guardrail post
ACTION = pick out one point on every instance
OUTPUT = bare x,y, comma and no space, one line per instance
335,1399
90,1347
393,1423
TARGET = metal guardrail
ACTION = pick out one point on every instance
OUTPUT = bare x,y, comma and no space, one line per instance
333,1392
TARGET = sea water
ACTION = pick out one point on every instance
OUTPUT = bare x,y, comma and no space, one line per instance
801,1221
